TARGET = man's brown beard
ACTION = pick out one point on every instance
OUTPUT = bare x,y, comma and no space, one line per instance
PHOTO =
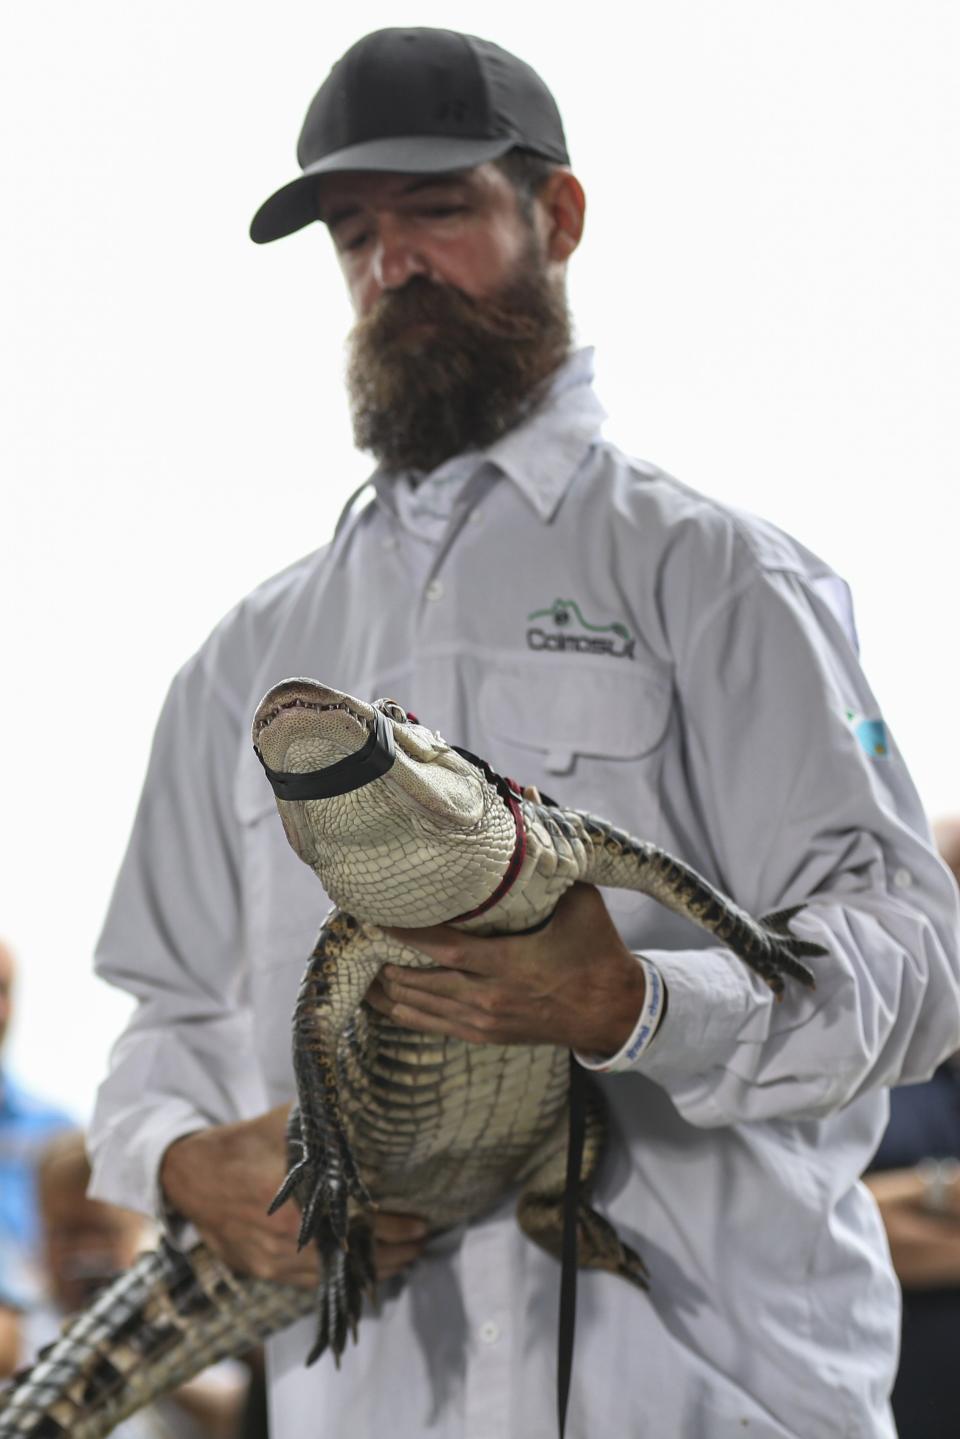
475,369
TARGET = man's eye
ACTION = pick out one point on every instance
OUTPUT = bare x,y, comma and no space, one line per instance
437,212
355,241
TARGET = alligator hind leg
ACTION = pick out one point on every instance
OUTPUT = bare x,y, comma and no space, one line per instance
540,1207
323,1171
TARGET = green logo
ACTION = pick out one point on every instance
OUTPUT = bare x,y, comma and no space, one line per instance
569,623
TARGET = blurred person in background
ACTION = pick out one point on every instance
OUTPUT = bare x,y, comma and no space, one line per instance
9,1335
26,1123
915,1178
84,1244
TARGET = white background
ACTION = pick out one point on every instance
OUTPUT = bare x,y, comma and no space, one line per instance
769,273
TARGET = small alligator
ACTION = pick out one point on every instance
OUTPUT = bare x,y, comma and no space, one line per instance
403,830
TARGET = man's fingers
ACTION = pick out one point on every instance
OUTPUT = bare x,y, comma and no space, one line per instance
286,1221
304,1272
409,1017
273,1126
398,1228
252,1214
400,1005
266,1256
398,1240
391,1259
399,982
448,947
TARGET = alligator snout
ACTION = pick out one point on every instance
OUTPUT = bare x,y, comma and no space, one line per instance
301,725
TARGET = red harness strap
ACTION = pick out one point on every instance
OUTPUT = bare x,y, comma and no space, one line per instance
510,793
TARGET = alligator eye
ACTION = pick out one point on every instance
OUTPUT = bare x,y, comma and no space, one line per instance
392,710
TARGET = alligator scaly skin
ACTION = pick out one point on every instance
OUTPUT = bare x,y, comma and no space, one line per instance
163,1321
388,1118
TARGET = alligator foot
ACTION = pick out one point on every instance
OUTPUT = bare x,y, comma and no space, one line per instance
348,1275
782,953
599,1246
324,1187
322,1176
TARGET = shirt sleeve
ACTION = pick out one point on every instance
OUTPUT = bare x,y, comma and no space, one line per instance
804,799
173,939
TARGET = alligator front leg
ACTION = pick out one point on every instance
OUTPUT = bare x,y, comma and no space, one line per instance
615,858
344,963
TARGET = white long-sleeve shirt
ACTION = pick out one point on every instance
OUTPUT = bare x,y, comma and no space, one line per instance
589,625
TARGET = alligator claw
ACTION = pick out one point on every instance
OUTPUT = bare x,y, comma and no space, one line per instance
325,1191
287,1187
779,921
348,1275
782,951
307,1218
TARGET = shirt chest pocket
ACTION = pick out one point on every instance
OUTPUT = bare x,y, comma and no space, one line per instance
591,740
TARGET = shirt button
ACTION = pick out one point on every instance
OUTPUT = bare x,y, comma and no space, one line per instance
475,517
389,542
434,590
490,1331
903,879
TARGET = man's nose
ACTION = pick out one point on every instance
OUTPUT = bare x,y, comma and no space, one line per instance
396,258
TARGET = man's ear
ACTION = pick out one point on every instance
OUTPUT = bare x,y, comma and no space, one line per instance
563,204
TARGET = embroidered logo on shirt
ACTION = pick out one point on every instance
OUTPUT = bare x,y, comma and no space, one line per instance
567,618
871,733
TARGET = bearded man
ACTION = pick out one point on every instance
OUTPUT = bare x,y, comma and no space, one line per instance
596,628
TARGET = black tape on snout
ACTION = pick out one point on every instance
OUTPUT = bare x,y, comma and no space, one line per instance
368,763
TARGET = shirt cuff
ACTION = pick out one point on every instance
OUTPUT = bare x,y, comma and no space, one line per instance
644,1031
126,1166
714,1005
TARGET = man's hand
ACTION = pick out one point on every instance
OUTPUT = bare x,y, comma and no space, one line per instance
574,983
223,1179
925,1247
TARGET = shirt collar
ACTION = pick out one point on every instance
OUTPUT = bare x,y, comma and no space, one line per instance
540,455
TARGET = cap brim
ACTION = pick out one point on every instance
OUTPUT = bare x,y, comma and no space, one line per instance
295,205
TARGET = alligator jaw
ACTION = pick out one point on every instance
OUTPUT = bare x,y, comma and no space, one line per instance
277,723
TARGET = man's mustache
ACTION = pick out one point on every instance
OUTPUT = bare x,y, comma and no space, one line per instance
422,301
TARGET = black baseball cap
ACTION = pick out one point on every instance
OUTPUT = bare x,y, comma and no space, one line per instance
415,101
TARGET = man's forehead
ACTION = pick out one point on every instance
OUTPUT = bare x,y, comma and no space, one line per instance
364,187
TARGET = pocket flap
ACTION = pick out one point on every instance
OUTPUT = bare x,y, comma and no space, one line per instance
561,711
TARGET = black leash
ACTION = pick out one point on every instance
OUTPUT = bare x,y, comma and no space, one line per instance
568,1260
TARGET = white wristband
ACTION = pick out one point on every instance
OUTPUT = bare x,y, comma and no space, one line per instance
643,1031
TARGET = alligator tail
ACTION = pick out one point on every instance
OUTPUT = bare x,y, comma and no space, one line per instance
156,1326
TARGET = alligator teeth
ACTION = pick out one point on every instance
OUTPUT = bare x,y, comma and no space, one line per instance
307,705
